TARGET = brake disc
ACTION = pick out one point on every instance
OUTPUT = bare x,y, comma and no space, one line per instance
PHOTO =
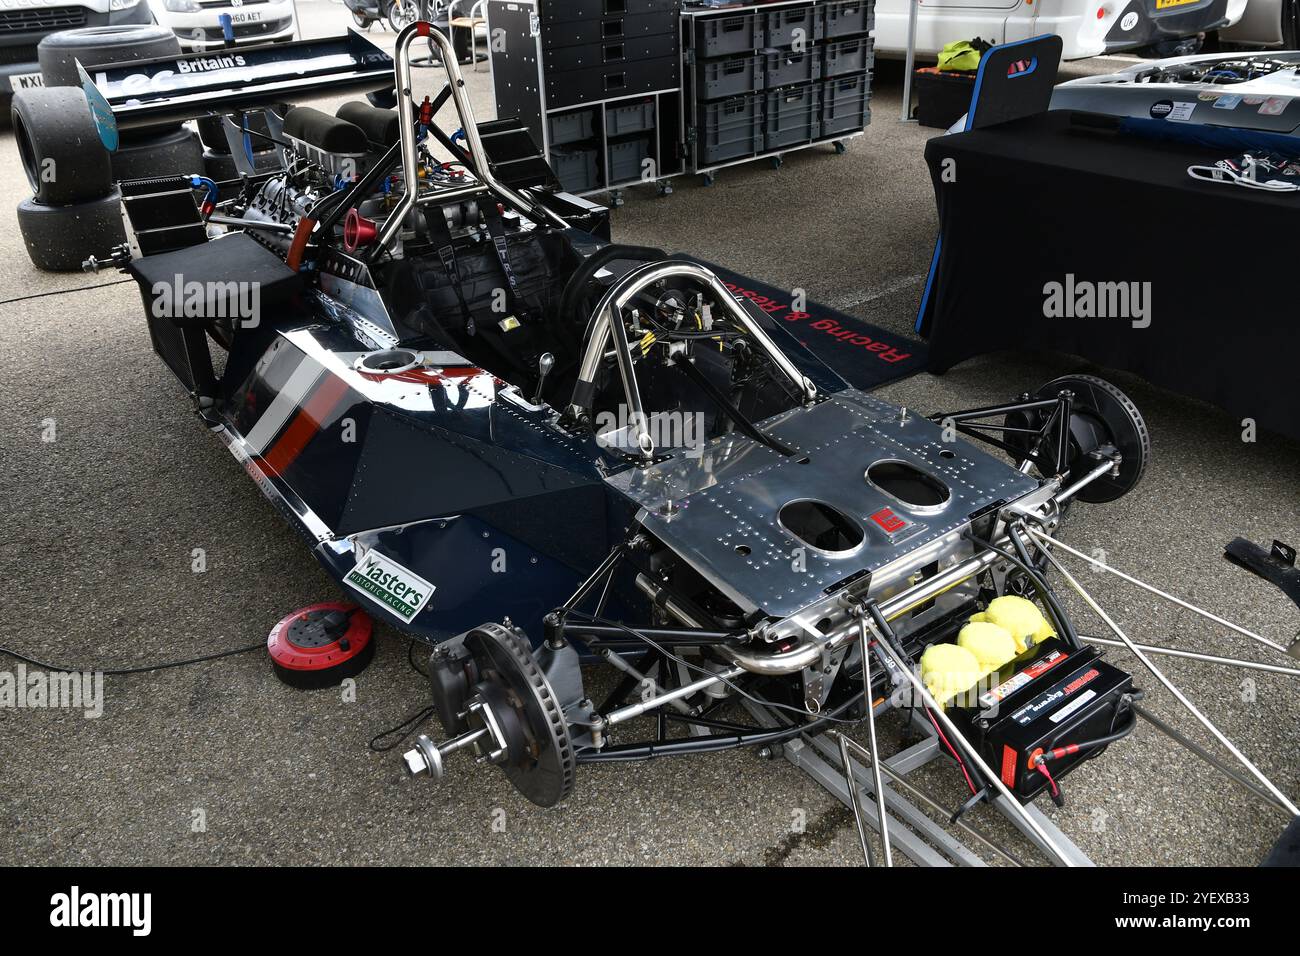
539,758
1100,415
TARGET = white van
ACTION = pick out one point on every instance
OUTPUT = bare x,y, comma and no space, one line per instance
1088,27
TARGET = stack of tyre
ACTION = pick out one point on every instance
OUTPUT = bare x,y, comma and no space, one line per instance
74,211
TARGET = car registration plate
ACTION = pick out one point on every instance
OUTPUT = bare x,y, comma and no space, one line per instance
1166,4
252,17
26,81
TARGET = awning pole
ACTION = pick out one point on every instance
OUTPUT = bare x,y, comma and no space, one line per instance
912,14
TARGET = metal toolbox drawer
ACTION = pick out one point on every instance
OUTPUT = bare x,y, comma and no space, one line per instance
607,30
609,82
611,53
556,11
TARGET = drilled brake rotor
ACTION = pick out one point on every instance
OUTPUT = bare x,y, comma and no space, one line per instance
539,754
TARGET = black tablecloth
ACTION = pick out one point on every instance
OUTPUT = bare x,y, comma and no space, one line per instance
1038,200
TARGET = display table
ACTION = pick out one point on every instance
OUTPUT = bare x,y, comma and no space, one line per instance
1046,228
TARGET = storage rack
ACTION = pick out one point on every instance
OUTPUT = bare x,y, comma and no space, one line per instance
761,80
598,83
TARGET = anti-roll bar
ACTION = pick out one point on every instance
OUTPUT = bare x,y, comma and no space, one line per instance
473,144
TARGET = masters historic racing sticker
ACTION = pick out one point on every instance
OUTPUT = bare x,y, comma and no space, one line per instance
388,583
1178,112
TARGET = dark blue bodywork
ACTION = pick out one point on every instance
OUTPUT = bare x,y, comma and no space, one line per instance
447,471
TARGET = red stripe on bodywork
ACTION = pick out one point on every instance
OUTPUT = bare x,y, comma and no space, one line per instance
306,423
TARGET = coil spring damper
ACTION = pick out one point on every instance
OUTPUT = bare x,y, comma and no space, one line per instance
320,645
513,720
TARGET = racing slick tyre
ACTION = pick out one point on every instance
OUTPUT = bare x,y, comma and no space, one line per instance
220,167
60,238
58,53
147,153
59,148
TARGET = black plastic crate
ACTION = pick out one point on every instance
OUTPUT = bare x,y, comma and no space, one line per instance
718,36
572,127
842,18
845,104
942,97
630,118
785,26
790,116
786,68
848,56
730,129
626,159
576,168
728,76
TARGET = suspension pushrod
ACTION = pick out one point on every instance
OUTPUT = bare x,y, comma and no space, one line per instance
1198,656
915,791
1155,590
989,410
851,783
1160,676
864,645
1229,772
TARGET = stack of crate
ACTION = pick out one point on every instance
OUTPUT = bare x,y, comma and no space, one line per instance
767,80
597,83
848,57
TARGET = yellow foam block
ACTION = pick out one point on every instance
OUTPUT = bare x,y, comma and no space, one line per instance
991,644
1019,617
948,670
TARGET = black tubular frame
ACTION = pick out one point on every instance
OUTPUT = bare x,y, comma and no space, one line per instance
363,187
1062,407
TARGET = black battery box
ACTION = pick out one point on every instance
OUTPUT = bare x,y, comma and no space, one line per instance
1050,696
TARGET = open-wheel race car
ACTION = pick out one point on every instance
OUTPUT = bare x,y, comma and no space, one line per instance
534,449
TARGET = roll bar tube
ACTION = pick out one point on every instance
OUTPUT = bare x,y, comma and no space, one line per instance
406,116
617,298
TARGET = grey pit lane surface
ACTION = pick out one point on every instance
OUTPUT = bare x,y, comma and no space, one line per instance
100,526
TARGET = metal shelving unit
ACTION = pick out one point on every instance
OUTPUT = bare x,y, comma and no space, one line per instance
598,83
629,92
763,80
